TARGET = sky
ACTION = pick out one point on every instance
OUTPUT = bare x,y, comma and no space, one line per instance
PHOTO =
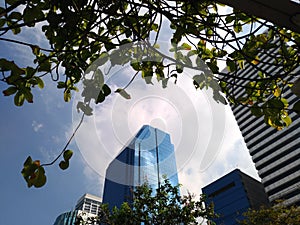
207,140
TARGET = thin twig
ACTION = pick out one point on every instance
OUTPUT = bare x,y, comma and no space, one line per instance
67,144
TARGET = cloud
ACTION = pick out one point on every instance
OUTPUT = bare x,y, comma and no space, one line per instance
203,132
36,126
233,154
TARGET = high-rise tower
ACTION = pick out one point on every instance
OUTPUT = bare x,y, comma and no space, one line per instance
148,157
276,154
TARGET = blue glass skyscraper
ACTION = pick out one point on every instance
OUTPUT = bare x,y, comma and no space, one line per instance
147,158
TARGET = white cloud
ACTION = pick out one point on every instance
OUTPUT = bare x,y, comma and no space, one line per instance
205,135
36,126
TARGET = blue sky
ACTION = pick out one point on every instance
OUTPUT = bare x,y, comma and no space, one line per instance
41,130
38,130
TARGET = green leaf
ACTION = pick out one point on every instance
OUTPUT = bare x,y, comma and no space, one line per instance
286,119
100,98
275,104
86,109
28,169
15,16
2,22
45,66
285,102
241,64
186,46
31,14
61,84
35,49
136,66
219,98
10,91
11,2
277,92
16,30
213,66
237,27
106,90
67,155
67,95
123,93
256,110
64,165
33,173
40,82
179,68
231,65
19,98
199,81
40,179
27,94
29,71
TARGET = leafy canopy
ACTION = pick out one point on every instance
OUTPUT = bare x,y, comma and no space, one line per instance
165,206
276,215
79,32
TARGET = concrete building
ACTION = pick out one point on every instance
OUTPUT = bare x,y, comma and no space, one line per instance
89,203
276,154
87,206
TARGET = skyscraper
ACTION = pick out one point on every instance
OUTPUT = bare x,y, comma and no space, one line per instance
233,194
148,157
276,154
88,204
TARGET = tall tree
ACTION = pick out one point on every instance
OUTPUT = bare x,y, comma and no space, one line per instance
164,206
276,215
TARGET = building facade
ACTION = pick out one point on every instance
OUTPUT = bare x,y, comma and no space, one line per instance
89,203
276,154
148,158
232,195
87,206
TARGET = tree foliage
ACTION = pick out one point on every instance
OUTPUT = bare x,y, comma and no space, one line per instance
164,206
79,32
276,215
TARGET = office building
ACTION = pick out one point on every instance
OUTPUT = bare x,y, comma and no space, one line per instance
232,195
276,154
88,205
148,158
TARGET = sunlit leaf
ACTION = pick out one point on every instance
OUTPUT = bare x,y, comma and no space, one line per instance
286,119
277,92
67,95
255,61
